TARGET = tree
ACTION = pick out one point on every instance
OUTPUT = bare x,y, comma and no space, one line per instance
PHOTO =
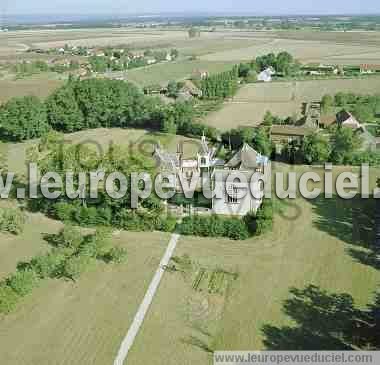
23,118
173,89
174,53
327,104
251,77
316,148
268,119
244,69
284,62
363,112
194,32
345,144
63,110
261,142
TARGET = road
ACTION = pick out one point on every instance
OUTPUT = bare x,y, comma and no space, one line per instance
147,301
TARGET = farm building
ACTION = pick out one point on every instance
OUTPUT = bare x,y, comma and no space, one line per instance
283,134
266,75
320,69
369,69
346,119
343,118
200,74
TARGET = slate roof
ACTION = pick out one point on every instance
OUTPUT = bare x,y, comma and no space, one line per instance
246,159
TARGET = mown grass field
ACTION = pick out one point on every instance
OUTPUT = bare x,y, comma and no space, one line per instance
63,322
133,140
310,244
283,99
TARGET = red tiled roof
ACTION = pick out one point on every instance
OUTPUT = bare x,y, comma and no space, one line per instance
368,67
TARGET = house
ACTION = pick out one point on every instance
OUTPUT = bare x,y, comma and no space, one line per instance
229,201
282,135
200,75
320,69
346,119
189,89
369,69
240,197
327,120
151,60
266,75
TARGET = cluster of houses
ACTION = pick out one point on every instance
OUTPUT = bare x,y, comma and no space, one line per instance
325,70
313,121
321,69
246,161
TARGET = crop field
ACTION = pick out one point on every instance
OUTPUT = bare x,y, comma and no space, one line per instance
312,243
21,40
325,47
39,85
283,99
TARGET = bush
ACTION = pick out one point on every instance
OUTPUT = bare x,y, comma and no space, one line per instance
96,245
70,237
264,218
166,224
12,220
117,255
75,266
23,281
214,226
50,265
8,298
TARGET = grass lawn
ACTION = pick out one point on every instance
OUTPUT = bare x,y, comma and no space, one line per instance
62,322
312,243
135,139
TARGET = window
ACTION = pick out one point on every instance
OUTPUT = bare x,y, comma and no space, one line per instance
232,195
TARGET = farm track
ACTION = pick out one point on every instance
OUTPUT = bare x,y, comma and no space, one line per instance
147,301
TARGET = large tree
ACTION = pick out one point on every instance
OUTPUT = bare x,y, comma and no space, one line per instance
63,110
346,143
23,118
316,148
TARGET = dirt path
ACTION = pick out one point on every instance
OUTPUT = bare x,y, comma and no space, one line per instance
147,301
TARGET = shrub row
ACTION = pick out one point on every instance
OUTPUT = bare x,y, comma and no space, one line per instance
230,227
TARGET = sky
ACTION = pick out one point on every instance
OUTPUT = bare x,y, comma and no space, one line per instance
251,7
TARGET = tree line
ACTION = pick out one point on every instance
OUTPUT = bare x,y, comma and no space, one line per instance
220,86
94,103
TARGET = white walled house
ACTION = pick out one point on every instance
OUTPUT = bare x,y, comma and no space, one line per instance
241,197
235,197
266,75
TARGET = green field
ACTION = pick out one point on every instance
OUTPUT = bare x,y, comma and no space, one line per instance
164,72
